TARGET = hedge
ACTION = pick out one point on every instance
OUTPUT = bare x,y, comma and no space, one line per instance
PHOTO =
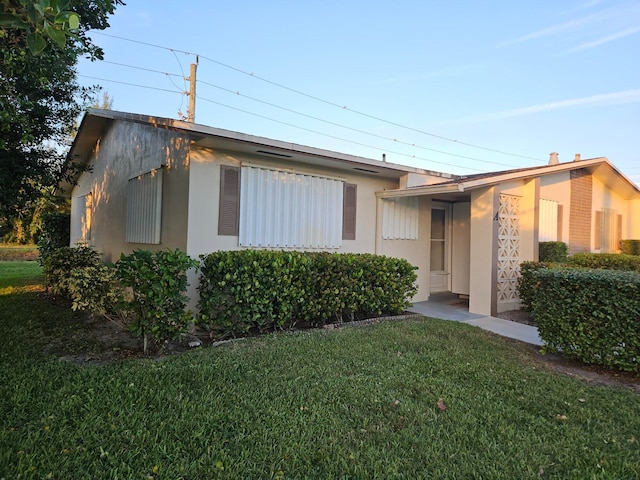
248,290
631,247
553,252
592,315
60,262
609,261
56,233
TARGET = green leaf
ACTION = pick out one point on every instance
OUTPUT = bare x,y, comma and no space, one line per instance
36,43
8,20
56,35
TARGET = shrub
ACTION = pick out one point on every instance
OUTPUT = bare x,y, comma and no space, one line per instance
158,283
527,283
56,233
262,289
553,252
593,315
97,290
59,264
631,247
608,261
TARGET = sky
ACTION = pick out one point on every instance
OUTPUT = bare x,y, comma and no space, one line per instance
453,86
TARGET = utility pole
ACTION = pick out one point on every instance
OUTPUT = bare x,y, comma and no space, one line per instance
191,114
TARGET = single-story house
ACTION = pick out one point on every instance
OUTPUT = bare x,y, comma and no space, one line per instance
157,183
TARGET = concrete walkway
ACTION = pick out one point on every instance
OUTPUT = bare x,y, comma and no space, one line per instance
450,307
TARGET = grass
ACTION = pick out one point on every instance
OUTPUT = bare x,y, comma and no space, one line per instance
346,403
11,252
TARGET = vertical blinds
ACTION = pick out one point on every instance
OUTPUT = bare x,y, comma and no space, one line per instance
289,210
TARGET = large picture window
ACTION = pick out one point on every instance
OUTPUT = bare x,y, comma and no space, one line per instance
285,209
144,208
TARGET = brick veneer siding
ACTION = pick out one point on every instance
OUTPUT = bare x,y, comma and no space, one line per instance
580,211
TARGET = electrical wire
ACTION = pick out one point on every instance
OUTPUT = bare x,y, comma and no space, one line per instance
327,102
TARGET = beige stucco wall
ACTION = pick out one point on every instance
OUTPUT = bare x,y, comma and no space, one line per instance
632,225
482,261
604,197
415,252
124,151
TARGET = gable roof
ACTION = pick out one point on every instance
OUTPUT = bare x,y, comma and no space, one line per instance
95,122
599,167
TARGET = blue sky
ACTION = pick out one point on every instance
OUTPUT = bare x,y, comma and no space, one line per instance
455,86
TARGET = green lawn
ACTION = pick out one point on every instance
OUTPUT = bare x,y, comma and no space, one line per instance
345,403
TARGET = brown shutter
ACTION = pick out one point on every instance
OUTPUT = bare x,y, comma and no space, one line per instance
598,231
619,233
349,201
560,212
229,213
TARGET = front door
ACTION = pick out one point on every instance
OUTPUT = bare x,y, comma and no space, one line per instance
439,254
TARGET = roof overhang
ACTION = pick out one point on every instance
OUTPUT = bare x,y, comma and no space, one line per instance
96,121
457,190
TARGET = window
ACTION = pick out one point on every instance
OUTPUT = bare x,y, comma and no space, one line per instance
400,218
144,208
84,215
289,210
607,230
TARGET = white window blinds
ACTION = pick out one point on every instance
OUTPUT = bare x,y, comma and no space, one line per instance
400,218
289,210
144,208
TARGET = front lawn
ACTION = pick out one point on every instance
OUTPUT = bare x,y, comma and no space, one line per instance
401,399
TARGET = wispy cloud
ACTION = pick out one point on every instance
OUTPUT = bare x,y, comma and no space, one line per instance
553,30
603,40
615,98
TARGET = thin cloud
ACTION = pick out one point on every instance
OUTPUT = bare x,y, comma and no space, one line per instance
553,30
601,41
615,98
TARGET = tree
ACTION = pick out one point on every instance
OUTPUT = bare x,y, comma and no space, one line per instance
39,94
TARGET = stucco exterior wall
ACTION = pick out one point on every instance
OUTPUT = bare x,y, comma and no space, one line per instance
124,151
482,265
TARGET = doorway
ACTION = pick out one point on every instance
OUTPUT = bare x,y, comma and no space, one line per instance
440,264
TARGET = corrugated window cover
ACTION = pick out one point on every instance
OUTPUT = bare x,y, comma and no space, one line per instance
548,221
400,218
144,208
282,209
229,211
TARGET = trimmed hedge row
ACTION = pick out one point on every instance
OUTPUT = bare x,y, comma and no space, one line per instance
631,247
553,251
250,290
593,315
609,261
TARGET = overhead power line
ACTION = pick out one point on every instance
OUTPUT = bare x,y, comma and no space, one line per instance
327,102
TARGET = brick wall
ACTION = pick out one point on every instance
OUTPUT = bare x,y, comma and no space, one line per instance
580,212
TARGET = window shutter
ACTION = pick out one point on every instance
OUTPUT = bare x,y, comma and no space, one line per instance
618,245
229,212
598,231
349,199
560,212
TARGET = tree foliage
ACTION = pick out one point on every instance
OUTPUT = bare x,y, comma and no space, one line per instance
40,97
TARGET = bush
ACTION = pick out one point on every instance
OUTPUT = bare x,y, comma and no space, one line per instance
56,233
608,261
158,283
631,247
263,289
593,315
527,283
59,264
553,252
97,290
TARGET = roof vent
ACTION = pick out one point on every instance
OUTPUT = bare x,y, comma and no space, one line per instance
553,158
577,159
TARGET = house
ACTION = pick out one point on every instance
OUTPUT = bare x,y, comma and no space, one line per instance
157,183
